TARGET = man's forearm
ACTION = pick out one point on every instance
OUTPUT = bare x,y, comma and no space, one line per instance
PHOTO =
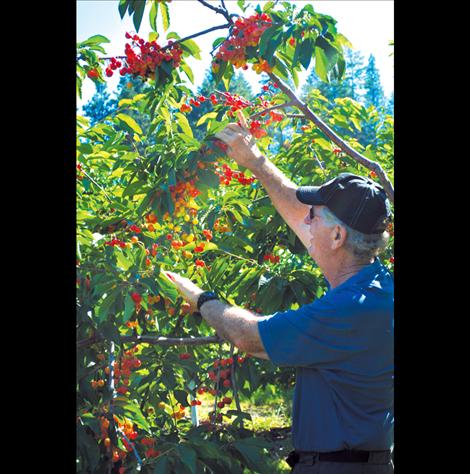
281,191
237,325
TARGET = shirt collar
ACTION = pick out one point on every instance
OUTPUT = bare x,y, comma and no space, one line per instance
364,274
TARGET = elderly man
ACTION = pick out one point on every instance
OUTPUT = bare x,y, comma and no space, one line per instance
340,344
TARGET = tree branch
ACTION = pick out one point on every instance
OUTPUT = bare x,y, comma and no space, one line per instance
157,340
274,107
222,11
371,165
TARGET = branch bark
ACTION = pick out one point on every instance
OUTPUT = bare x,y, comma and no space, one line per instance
369,164
222,11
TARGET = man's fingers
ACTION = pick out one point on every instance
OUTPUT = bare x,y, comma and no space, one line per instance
170,276
242,119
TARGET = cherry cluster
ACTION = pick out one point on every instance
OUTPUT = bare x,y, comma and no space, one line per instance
272,258
150,57
115,241
181,194
123,368
246,32
114,64
150,452
226,174
256,130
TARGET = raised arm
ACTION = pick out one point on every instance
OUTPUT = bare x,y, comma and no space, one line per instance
243,149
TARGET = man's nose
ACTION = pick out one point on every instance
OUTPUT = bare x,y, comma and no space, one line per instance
307,219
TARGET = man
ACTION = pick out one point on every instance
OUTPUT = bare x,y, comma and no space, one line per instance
342,343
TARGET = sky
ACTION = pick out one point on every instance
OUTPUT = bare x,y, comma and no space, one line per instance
368,25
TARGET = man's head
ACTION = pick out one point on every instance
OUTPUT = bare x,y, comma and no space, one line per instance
349,214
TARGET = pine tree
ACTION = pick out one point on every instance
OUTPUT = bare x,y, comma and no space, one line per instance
100,105
374,94
390,107
349,86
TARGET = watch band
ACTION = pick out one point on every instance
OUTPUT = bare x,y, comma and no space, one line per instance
206,296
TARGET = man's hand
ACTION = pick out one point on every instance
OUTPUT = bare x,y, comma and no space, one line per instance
188,290
241,144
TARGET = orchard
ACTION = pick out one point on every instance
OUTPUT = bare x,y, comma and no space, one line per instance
167,197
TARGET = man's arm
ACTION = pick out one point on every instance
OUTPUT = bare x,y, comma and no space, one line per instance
282,194
237,325
280,189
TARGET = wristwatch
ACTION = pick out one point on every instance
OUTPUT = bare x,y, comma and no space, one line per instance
206,296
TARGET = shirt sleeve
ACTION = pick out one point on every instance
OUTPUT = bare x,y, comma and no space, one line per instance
322,333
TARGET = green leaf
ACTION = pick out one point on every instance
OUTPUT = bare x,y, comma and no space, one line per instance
139,6
184,124
218,41
182,397
166,288
130,122
165,16
188,456
105,305
266,38
161,465
129,308
253,455
321,64
209,178
280,69
273,44
187,70
124,407
94,40
241,5
153,15
205,117
306,51
122,261
191,47
88,448
123,4
227,76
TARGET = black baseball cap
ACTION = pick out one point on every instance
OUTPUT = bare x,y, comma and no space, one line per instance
357,201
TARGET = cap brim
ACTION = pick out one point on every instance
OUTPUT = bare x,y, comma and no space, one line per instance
309,195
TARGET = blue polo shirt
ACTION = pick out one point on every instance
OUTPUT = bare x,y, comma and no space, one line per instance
342,348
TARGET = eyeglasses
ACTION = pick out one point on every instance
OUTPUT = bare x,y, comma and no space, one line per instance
312,213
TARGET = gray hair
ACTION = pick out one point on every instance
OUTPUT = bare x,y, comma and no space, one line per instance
362,246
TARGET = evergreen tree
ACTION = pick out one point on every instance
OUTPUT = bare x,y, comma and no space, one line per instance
130,86
374,94
349,86
238,85
390,107
127,88
100,105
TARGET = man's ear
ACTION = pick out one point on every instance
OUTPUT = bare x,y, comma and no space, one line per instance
338,235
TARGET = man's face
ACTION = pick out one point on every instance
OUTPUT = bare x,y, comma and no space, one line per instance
320,242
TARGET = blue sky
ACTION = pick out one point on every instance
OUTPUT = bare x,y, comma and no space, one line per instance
368,25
